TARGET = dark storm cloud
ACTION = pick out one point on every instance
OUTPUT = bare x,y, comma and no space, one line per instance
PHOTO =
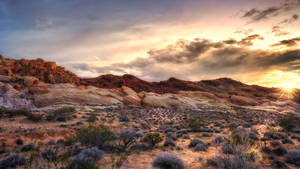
204,56
288,42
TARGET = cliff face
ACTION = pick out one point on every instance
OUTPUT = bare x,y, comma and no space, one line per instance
47,72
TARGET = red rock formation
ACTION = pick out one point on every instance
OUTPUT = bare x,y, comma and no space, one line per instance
45,71
49,72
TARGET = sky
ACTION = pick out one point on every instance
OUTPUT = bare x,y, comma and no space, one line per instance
256,42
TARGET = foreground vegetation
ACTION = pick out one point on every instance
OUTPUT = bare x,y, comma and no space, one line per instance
169,138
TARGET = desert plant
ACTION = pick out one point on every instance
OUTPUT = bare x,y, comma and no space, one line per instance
153,138
12,161
251,155
94,135
127,138
17,112
90,154
235,162
287,122
241,136
194,143
92,118
228,148
201,147
293,157
194,123
61,114
35,117
81,164
19,141
219,139
123,117
167,161
69,140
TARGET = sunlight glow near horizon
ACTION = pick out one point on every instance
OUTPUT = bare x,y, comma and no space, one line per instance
287,81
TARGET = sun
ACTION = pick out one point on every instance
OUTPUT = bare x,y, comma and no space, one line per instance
286,81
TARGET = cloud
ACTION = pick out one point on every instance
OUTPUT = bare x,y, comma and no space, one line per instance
277,31
256,14
203,58
294,18
247,41
184,51
288,42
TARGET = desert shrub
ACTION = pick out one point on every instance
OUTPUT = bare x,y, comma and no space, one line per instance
19,141
235,162
228,148
35,117
17,112
251,155
123,117
280,151
61,114
92,118
194,123
167,161
90,154
28,147
94,135
201,147
49,155
293,157
12,161
241,136
194,142
153,138
219,139
69,140
169,142
80,164
287,122
127,138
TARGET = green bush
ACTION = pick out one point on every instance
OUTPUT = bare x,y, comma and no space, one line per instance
61,114
194,123
94,135
153,138
287,122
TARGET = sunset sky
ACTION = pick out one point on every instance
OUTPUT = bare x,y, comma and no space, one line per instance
256,42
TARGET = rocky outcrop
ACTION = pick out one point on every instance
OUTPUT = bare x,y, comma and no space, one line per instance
11,98
47,72
37,83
